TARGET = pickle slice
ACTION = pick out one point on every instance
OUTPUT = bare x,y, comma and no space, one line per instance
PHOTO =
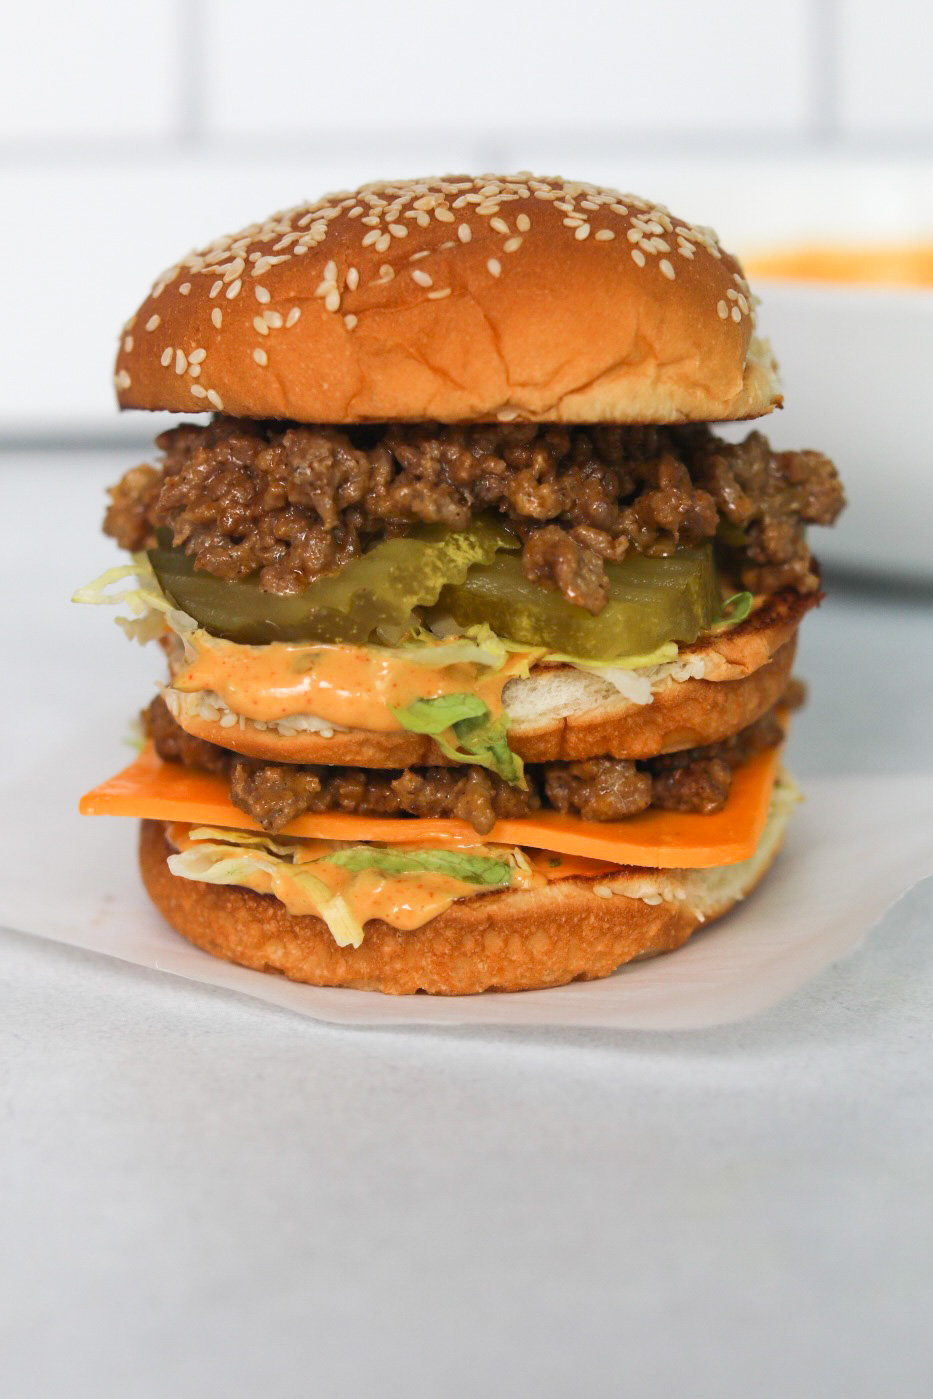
378,589
651,601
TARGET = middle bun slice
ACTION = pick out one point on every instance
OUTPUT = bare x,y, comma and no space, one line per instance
718,685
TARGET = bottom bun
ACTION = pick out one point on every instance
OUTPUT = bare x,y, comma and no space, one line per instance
501,941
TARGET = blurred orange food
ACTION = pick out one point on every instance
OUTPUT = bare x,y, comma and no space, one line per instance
881,266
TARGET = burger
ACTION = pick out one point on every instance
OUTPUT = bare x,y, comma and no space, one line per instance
478,634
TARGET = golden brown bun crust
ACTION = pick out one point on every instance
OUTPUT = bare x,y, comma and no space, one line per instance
758,653
501,941
455,299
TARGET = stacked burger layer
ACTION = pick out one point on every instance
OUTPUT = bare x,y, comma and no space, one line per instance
479,638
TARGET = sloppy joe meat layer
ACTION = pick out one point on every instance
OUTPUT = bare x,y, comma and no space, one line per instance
597,789
290,502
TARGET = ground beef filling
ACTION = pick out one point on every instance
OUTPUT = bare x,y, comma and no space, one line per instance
292,503
597,789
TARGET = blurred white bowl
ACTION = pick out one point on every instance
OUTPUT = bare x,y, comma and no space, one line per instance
857,369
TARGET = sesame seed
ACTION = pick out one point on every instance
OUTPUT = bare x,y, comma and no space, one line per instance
197,356
122,379
638,257
198,391
234,289
330,271
424,279
602,891
332,300
416,257
439,294
217,317
574,222
260,356
260,325
512,245
184,289
743,303
523,223
386,272
262,293
350,321
604,235
353,278
732,294
127,343
181,362
273,319
371,237
736,314
194,370
582,232
384,243
214,397
723,310
667,269
292,316
153,322
499,225
444,215
166,359
494,266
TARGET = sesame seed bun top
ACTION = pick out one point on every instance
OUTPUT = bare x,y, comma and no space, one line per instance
455,299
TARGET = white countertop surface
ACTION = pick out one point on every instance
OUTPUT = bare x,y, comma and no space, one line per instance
204,1195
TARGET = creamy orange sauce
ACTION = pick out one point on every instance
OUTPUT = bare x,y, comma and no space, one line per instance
353,687
553,866
896,265
403,901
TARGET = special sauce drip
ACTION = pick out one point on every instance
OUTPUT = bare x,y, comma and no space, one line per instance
351,687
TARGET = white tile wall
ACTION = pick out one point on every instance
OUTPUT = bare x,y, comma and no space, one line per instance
89,69
491,67
886,66
131,131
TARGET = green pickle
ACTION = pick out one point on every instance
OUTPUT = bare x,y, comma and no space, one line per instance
651,601
378,589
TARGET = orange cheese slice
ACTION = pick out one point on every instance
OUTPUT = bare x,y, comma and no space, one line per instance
150,788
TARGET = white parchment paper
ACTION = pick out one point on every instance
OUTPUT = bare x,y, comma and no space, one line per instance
854,846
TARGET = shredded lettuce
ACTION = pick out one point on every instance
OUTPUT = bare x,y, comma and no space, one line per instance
251,860
151,609
253,840
433,716
477,645
662,656
734,610
469,868
209,863
482,741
